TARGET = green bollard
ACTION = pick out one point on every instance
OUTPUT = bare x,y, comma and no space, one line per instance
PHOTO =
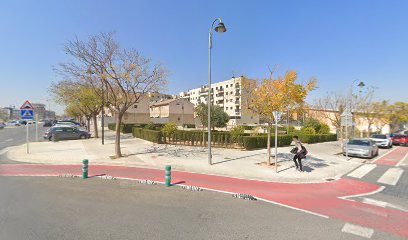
168,176
84,168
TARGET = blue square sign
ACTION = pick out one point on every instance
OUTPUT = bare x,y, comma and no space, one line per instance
27,114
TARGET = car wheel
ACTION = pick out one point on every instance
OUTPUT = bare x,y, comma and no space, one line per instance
50,138
82,137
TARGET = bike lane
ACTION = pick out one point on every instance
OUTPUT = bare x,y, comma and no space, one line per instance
325,199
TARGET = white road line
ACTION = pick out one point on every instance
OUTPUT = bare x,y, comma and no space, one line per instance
375,202
362,171
358,230
391,176
8,140
402,160
4,150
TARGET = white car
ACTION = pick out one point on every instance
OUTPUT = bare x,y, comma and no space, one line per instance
382,140
13,123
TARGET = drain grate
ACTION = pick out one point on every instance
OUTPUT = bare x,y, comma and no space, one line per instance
244,196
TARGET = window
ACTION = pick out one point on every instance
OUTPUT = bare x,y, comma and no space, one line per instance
216,88
134,106
178,119
226,86
231,85
231,92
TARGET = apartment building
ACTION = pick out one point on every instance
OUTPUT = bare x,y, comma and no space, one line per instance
230,95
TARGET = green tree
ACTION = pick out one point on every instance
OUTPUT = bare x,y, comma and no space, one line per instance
324,129
219,118
169,128
237,132
313,123
307,130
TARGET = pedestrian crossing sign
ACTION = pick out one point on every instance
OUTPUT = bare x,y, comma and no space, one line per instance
26,105
27,114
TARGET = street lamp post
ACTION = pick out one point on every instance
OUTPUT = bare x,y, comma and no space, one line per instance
220,29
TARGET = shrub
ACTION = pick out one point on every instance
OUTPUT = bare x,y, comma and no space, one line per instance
313,123
126,128
324,129
291,129
150,126
246,127
169,128
111,126
307,130
237,131
146,134
316,138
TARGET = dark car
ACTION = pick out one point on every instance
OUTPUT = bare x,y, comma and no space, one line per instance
401,140
65,133
47,124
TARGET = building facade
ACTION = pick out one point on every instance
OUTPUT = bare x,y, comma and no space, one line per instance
179,111
230,95
39,111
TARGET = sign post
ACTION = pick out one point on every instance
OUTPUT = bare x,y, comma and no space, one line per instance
27,113
277,116
346,120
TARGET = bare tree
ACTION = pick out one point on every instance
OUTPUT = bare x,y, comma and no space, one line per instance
125,74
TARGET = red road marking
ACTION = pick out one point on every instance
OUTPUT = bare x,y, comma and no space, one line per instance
319,198
393,157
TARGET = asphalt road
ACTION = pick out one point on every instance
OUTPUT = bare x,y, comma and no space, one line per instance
13,136
65,208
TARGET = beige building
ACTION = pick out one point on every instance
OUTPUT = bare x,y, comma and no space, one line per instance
331,116
39,110
179,111
230,95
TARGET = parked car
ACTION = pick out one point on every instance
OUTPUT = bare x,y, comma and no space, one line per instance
361,147
400,140
2,125
69,122
47,124
13,123
22,122
65,133
382,140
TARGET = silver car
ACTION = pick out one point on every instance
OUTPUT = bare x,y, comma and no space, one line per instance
361,147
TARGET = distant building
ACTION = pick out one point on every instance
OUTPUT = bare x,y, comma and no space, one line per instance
39,110
50,114
179,111
230,95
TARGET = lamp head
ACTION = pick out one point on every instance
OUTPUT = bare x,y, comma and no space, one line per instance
361,84
220,28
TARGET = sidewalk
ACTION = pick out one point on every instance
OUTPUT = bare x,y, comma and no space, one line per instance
321,163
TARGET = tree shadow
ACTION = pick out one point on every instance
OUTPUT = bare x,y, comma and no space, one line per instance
309,163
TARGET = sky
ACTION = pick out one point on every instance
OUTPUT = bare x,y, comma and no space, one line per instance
337,41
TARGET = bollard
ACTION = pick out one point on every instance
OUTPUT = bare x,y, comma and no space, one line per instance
84,168
168,176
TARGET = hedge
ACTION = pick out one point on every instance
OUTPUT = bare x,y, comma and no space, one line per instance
147,134
111,126
316,138
255,142
200,138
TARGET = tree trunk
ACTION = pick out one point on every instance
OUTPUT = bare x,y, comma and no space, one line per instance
95,124
118,153
88,124
269,144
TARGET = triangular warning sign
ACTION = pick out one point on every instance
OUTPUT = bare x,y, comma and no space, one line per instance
27,114
26,105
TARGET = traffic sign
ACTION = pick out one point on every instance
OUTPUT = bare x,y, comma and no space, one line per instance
27,105
27,114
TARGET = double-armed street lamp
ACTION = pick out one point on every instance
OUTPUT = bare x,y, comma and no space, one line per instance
220,28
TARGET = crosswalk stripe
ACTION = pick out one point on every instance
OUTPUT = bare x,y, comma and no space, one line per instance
391,176
362,171
358,230
375,202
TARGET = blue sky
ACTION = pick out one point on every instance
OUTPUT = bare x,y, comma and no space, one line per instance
335,41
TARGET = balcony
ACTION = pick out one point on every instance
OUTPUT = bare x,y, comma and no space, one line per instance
237,111
220,101
221,90
237,93
237,86
237,102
